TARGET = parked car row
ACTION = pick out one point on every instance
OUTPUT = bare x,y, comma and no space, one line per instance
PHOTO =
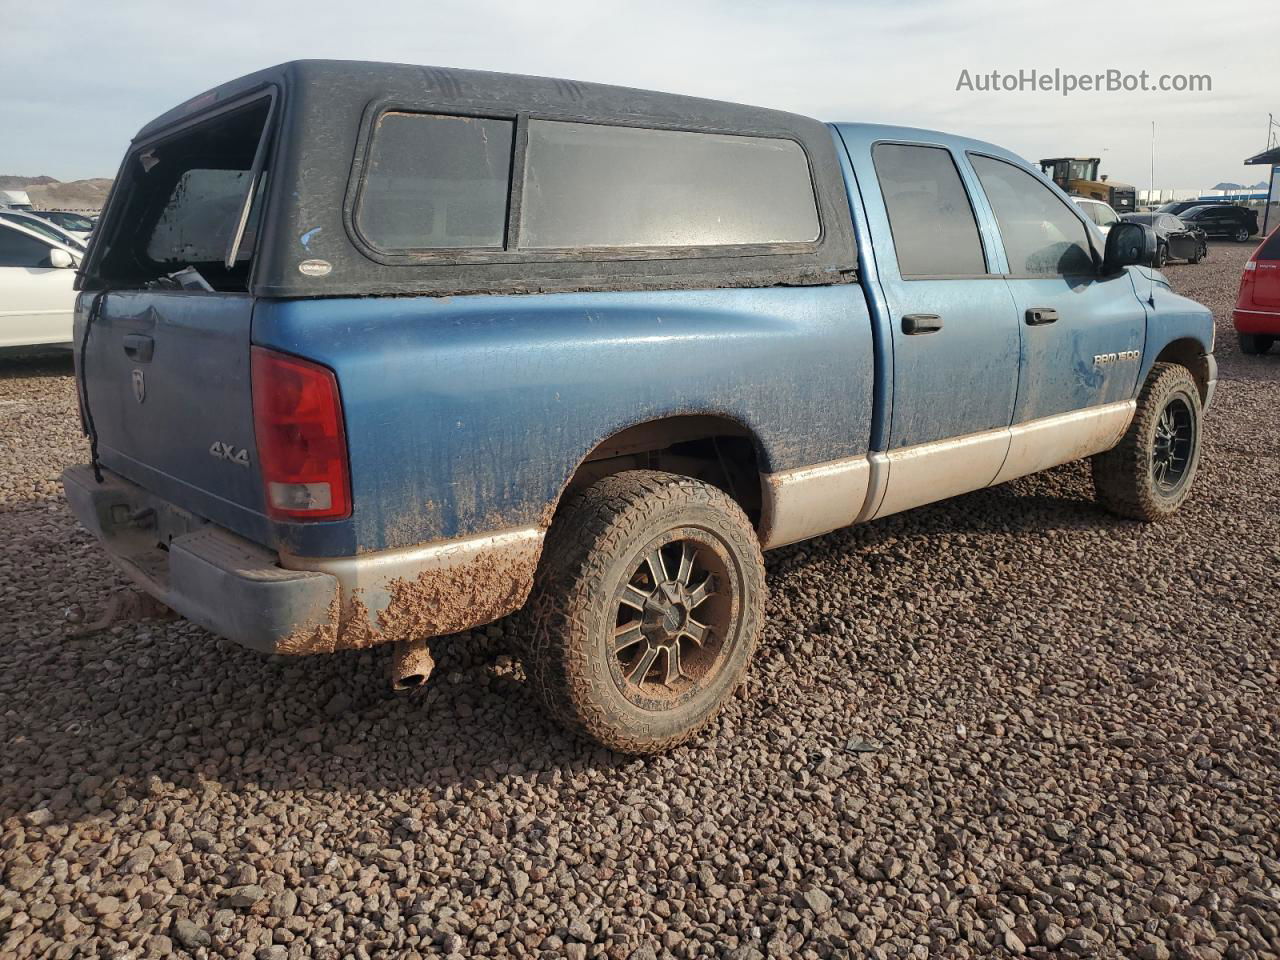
1228,220
39,253
1181,228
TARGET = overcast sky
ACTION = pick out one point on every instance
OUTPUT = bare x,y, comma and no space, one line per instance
77,79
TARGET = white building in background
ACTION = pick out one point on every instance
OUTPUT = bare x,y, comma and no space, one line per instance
1153,198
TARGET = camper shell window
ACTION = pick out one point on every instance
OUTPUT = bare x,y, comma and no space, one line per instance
374,179
189,199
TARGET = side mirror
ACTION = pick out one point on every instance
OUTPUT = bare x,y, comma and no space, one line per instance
60,259
1129,244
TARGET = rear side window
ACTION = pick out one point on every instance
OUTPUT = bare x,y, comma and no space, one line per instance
197,222
590,185
19,250
934,230
436,182
181,201
1042,237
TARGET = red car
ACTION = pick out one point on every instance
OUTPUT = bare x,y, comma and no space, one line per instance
1257,313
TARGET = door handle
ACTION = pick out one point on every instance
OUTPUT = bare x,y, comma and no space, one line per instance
1037,316
917,323
139,347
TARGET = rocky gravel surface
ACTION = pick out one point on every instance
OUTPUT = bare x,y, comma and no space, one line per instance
1005,725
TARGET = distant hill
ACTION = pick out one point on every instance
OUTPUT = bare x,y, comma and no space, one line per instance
1227,185
49,194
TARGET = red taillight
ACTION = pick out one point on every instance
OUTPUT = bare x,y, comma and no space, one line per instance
302,448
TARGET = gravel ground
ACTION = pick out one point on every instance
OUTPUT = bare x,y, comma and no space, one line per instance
1001,725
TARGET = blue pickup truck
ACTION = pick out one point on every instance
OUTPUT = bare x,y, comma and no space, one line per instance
371,353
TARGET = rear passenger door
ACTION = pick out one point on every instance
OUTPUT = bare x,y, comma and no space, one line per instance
1082,334
955,337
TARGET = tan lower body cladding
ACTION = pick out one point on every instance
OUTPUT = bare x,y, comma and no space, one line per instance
423,591
810,501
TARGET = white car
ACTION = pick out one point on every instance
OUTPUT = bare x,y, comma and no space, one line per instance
1097,211
47,228
37,287
76,224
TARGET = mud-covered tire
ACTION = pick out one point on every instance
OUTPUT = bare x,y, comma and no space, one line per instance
1255,343
596,545
1124,478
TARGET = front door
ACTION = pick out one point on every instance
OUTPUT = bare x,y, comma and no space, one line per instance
1081,334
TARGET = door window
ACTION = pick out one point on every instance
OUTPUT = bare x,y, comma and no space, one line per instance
1042,236
19,250
934,229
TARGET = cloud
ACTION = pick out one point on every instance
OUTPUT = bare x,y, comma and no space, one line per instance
79,79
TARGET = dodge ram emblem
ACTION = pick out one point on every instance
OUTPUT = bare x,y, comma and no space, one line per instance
139,386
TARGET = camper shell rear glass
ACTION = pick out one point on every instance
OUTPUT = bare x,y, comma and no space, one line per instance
385,179
191,199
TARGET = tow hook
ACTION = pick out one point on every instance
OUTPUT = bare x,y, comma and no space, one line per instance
126,604
411,665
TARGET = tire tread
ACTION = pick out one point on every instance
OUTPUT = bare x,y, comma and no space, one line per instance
1121,475
589,532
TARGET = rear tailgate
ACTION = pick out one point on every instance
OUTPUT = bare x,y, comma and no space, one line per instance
166,376
165,369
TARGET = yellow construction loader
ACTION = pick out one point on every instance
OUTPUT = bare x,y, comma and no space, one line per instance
1078,176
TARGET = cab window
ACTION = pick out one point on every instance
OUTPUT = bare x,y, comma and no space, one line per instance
934,230
1042,236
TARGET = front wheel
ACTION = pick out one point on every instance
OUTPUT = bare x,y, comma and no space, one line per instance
1148,474
1255,343
646,609
1202,251
1162,255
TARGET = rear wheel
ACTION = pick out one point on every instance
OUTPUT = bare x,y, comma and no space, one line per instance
1241,234
1255,343
646,610
1149,473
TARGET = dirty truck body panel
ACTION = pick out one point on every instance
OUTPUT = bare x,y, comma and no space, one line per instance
473,412
453,375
